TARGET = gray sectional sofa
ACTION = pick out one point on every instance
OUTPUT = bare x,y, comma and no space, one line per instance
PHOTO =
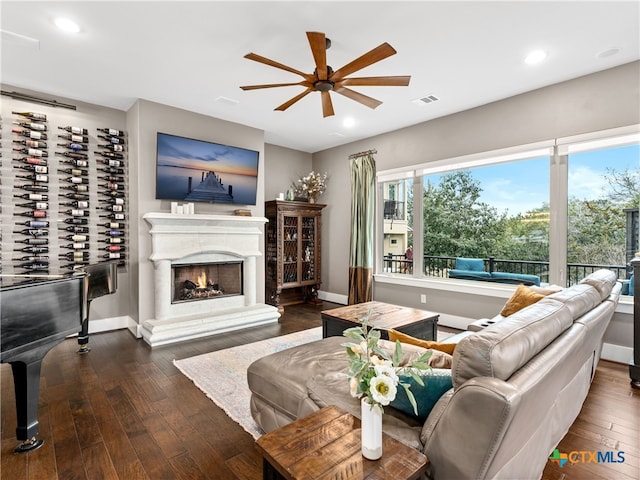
518,385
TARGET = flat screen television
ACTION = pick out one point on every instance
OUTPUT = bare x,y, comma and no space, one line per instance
199,171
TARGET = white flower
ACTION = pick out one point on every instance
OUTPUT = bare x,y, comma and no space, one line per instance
383,390
387,370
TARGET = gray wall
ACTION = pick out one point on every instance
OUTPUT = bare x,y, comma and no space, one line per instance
595,102
283,167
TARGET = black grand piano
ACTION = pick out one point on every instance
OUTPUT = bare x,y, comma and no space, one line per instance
37,313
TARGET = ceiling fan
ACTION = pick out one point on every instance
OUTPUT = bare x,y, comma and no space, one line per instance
324,79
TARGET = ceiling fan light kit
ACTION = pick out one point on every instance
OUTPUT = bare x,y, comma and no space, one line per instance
324,79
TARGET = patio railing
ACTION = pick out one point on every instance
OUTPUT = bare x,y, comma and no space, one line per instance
437,266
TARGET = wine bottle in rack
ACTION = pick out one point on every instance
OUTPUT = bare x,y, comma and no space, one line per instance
33,232
113,208
34,205
76,204
34,188
111,132
37,249
114,248
114,256
35,224
112,200
113,140
31,160
76,246
35,177
74,138
112,186
112,170
76,229
112,178
74,156
75,212
111,240
76,187
75,238
43,169
75,130
40,267
75,221
75,254
40,117
31,143
113,147
40,127
31,258
110,156
32,214
77,196
113,233
111,225
74,266
76,147
76,180
32,152
76,163
33,241
111,193
76,172
32,134
113,216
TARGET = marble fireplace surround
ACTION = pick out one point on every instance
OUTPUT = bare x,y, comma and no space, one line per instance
184,239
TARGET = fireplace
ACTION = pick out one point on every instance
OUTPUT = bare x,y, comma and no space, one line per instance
204,281
224,248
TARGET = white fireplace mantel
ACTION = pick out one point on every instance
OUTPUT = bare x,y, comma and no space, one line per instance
188,239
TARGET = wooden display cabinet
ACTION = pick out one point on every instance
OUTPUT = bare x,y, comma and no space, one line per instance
292,255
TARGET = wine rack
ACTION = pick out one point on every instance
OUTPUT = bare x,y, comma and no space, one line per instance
292,252
68,196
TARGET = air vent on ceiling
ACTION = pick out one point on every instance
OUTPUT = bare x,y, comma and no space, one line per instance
227,101
426,99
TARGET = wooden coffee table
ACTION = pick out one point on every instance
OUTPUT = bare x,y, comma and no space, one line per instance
326,445
412,321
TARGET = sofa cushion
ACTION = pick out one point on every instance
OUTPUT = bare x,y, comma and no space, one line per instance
437,382
579,299
408,339
522,297
502,348
471,264
454,272
515,277
602,280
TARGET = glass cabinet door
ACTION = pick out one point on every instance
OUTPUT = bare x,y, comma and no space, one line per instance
290,249
308,248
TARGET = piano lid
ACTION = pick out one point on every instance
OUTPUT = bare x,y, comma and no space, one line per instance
18,280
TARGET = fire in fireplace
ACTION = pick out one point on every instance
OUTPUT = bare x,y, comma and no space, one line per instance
202,281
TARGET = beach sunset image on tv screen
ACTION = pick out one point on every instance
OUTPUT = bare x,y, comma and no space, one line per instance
200,171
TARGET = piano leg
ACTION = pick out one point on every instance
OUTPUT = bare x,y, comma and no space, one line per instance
26,380
83,335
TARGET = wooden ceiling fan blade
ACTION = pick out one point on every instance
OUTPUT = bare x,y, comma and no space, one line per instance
372,56
288,103
318,44
273,85
327,105
267,61
392,81
358,97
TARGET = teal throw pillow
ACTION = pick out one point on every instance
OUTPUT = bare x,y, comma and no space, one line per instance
437,382
471,264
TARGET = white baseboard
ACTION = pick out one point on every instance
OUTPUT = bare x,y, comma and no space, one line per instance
108,324
616,353
333,297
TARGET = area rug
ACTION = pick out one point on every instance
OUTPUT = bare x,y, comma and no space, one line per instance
222,375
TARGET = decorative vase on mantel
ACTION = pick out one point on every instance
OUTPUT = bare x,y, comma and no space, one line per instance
311,199
371,429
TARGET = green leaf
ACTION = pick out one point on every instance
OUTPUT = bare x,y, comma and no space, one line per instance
381,353
412,399
397,354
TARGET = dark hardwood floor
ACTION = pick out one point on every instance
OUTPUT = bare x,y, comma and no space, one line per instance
124,411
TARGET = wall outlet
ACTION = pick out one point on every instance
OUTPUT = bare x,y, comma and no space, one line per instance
423,298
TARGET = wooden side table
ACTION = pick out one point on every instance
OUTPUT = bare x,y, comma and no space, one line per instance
418,323
326,445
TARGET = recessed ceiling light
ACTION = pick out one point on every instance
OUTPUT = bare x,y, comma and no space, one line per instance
535,57
67,25
348,122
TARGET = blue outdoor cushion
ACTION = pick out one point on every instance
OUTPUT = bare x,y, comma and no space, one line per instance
468,273
517,276
472,264
437,382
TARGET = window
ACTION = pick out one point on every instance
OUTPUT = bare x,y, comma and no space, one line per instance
602,220
554,211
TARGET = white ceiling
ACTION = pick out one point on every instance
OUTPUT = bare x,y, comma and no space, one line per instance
189,54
